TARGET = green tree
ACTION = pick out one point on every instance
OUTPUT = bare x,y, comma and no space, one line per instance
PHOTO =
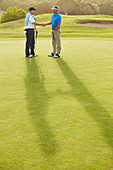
13,14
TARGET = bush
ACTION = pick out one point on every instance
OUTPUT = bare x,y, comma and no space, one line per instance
68,7
106,7
43,7
12,14
95,7
74,7
86,9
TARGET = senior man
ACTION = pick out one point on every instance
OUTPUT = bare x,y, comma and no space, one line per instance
56,31
30,26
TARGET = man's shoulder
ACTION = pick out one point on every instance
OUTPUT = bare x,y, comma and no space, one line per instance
31,19
31,16
59,15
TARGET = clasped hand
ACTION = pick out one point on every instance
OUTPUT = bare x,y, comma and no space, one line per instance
43,25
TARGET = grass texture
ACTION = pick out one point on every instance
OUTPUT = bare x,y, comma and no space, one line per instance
57,114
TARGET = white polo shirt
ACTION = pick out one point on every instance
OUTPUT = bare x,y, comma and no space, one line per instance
30,25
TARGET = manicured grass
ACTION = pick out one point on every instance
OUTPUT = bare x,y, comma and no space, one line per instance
70,28
57,114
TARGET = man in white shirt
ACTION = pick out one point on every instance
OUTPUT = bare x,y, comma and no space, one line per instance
30,25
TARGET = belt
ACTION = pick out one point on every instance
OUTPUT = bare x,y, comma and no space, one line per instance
29,29
54,28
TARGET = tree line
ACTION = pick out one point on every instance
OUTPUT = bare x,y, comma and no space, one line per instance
70,7
67,7
86,7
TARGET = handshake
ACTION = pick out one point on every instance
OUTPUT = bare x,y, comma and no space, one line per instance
43,25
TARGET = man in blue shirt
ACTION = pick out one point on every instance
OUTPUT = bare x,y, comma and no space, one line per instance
56,31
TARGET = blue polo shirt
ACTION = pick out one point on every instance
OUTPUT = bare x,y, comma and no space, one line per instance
55,20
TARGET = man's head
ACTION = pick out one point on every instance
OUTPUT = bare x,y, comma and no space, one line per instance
55,9
32,10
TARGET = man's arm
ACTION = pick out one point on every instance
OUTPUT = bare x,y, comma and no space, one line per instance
53,31
48,23
32,21
36,23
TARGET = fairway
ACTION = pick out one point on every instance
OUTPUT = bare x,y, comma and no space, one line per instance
57,114
70,28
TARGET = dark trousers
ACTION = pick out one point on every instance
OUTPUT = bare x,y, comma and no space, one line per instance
30,42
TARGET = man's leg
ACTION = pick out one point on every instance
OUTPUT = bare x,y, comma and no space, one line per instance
54,43
33,43
28,42
58,40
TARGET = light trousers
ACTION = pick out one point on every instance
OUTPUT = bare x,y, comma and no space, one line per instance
56,42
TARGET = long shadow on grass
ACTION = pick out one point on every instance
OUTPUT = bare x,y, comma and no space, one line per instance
37,105
90,104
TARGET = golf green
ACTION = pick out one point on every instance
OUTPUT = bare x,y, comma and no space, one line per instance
57,113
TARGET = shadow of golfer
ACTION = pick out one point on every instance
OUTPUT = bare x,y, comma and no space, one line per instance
90,104
37,105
